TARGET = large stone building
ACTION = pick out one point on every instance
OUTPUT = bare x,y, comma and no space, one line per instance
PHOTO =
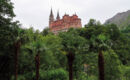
63,24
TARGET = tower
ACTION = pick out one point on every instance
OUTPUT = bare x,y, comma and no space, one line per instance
51,18
63,24
58,16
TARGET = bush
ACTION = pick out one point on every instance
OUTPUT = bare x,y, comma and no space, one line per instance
57,74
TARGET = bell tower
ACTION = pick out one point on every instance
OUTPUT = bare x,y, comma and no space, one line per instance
51,17
58,16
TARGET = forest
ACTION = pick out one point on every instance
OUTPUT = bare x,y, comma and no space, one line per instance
94,52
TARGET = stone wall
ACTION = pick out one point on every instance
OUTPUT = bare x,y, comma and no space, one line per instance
65,23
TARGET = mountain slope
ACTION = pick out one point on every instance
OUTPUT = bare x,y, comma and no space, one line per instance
122,20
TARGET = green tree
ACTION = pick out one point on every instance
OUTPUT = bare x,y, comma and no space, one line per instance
72,45
37,48
20,39
112,65
6,39
56,74
91,23
102,46
46,31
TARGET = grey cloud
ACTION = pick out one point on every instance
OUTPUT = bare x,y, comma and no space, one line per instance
36,12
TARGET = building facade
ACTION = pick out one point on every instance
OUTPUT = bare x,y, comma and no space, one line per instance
64,23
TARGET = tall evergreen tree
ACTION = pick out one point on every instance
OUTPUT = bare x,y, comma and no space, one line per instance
6,38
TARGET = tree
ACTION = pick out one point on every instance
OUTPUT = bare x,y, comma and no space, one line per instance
72,44
98,44
55,74
6,8
120,42
37,48
6,38
112,65
20,39
126,31
102,46
50,58
46,31
91,23
101,66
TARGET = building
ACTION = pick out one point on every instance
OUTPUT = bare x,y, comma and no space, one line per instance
64,23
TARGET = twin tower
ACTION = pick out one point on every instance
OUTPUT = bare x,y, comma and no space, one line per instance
63,24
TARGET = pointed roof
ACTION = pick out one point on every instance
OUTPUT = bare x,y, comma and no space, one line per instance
58,16
51,14
51,18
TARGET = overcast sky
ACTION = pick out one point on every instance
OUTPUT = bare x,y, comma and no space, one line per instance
36,12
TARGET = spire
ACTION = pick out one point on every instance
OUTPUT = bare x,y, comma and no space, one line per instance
51,18
51,12
58,16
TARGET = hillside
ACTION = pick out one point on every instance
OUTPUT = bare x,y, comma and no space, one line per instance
122,20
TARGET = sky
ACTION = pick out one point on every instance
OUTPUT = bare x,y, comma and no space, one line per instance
35,13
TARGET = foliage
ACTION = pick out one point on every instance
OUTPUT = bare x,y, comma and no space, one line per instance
7,38
72,42
126,72
55,50
56,74
46,31
112,66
